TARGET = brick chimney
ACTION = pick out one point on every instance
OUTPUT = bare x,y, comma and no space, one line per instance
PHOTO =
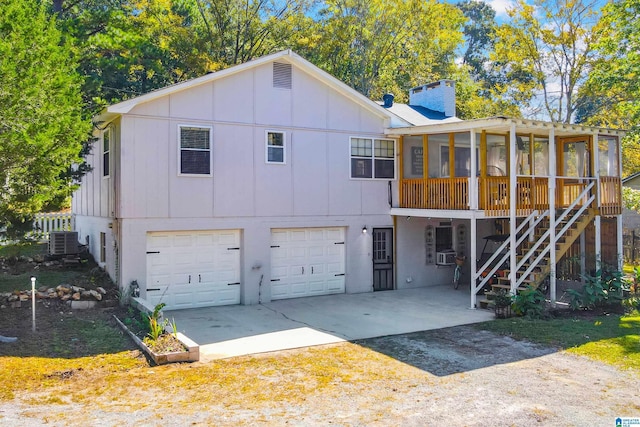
439,96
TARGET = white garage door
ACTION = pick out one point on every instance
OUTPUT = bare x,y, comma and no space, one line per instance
189,269
307,262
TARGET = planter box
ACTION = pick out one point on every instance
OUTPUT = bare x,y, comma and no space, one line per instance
190,355
503,312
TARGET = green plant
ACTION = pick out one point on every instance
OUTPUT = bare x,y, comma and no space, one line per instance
605,286
529,302
502,298
156,324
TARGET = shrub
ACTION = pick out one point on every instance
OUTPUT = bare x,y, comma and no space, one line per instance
605,287
529,303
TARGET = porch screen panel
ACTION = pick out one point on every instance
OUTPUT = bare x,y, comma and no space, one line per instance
541,156
413,157
608,153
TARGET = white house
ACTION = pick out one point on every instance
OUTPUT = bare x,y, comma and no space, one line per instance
273,180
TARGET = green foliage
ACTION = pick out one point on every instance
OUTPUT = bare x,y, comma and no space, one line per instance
631,198
41,119
547,48
605,287
156,324
502,298
529,303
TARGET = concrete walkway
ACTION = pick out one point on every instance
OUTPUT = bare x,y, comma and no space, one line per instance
301,322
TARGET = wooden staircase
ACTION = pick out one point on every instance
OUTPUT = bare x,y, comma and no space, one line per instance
532,255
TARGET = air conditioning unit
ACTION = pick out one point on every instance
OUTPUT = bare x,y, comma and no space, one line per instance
63,243
446,257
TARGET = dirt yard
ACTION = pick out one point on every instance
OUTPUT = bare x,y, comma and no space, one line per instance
78,369
454,376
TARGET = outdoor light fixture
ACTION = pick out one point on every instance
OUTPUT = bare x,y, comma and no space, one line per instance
364,230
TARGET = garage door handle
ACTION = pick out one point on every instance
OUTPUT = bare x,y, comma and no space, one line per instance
199,279
189,278
153,289
231,284
341,274
311,270
302,270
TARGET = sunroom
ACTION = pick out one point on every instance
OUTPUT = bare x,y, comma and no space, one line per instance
542,184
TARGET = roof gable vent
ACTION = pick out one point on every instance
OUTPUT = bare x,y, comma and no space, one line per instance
281,75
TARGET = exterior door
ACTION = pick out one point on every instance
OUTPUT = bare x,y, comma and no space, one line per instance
382,259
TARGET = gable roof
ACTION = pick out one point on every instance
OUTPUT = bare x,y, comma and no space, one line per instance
124,107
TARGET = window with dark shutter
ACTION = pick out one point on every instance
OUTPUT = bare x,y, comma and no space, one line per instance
195,150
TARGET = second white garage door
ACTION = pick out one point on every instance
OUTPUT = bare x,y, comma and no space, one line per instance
307,262
187,269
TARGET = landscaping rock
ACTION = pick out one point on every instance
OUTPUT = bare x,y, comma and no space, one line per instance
97,295
82,305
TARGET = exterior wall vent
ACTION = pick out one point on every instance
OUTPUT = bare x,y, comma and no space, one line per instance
63,243
281,75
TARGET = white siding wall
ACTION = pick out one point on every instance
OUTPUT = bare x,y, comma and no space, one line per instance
312,189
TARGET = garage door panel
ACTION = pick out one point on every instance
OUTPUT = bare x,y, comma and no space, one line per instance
193,269
311,262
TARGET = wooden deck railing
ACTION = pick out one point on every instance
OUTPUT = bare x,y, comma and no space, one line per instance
610,196
435,193
493,194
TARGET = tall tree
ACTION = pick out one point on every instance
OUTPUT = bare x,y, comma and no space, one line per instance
547,49
479,33
41,122
379,46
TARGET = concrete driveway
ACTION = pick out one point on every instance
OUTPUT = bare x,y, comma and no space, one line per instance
239,330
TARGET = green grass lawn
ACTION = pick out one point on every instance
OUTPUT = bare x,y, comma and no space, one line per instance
613,339
28,249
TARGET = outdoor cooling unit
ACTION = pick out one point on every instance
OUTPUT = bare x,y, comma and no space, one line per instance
63,243
446,258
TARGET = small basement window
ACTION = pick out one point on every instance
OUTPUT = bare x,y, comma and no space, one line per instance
103,247
276,147
195,150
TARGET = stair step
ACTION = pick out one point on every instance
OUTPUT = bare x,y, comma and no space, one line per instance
501,286
485,303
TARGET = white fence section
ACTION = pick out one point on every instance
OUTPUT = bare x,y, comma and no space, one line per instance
44,223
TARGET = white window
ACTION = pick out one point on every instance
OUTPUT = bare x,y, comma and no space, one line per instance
106,149
195,150
276,147
373,158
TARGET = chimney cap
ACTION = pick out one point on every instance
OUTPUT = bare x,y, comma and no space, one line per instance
387,99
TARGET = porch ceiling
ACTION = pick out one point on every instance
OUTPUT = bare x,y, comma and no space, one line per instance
439,213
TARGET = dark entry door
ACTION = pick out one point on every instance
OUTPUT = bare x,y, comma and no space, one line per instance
382,259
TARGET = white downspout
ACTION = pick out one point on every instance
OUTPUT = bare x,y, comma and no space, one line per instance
552,213
512,208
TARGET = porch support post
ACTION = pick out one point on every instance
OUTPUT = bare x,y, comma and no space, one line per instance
619,248
553,172
583,256
473,255
473,178
512,208
598,242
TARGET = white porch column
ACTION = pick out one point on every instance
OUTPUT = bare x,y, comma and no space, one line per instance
553,173
512,208
473,178
596,222
473,255
583,257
